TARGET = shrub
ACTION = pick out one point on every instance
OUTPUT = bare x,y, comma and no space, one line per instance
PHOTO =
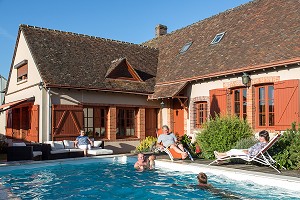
287,150
246,143
146,144
191,147
222,134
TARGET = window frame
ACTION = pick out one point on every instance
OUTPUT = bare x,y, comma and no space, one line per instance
94,118
201,113
267,106
22,76
242,113
125,123
218,38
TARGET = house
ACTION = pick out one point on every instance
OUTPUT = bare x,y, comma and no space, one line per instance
61,82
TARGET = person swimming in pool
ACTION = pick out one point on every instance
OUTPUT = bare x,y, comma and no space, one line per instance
142,163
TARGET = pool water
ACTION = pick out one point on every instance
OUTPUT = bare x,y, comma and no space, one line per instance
115,178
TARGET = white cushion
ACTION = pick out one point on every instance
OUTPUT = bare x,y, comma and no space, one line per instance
97,143
75,150
56,151
50,142
19,144
98,151
58,145
69,144
37,153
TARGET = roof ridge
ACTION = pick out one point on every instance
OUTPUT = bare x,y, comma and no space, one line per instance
84,35
205,19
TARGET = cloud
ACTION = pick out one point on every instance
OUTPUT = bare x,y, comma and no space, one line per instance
6,34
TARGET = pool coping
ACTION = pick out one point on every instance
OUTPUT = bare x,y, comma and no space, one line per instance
282,181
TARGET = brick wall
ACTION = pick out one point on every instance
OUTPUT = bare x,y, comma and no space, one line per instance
140,123
112,123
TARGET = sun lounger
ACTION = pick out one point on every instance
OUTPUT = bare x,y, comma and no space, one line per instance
171,153
262,157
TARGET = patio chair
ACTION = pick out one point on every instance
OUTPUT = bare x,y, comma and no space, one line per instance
172,153
262,157
21,151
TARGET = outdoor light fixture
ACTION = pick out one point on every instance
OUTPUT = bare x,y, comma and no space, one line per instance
41,85
162,104
246,79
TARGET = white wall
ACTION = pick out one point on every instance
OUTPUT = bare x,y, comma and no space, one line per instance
29,88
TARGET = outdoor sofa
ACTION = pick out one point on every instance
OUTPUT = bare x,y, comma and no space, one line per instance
67,149
25,151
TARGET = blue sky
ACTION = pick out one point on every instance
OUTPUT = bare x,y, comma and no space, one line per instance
126,20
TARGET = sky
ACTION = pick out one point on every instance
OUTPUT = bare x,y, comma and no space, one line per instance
126,20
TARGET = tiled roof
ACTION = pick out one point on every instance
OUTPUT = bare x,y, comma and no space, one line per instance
165,91
257,33
66,59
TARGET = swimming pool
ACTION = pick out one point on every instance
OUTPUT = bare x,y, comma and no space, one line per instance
114,178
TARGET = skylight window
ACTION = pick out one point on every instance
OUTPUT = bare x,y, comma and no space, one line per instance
217,38
185,47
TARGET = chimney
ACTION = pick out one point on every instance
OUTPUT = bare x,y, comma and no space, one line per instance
160,30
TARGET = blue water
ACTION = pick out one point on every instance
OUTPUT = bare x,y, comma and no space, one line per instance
109,178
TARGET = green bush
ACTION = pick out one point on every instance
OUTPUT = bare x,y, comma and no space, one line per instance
222,134
191,147
146,144
286,151
245,143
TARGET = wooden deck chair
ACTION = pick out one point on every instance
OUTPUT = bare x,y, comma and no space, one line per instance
262,157
171,152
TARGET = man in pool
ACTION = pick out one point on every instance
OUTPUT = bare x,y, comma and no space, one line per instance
202,180
142,163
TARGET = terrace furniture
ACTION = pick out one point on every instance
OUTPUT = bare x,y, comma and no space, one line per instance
172,153
21,151
67,149
262,157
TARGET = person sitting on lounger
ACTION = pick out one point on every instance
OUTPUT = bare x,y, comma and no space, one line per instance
252,151
142,163
83,142
169,140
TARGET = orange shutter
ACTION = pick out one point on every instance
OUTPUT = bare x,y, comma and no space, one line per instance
67,120
22,70
218,102
33,134
286,103
9,129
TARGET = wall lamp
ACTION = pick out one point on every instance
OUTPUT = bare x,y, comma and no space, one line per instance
162,104
246,79
41,85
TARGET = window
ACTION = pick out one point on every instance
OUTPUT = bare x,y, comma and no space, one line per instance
265,105
185,47
201,113
217,38
240,102
125,123
22,70
95,121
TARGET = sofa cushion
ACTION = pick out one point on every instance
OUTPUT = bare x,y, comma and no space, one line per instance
37,153
58,145
97,143
51,143
56,151
69,144
99,151
19,144
75,150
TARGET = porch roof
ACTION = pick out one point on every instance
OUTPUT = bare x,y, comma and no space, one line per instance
10,105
